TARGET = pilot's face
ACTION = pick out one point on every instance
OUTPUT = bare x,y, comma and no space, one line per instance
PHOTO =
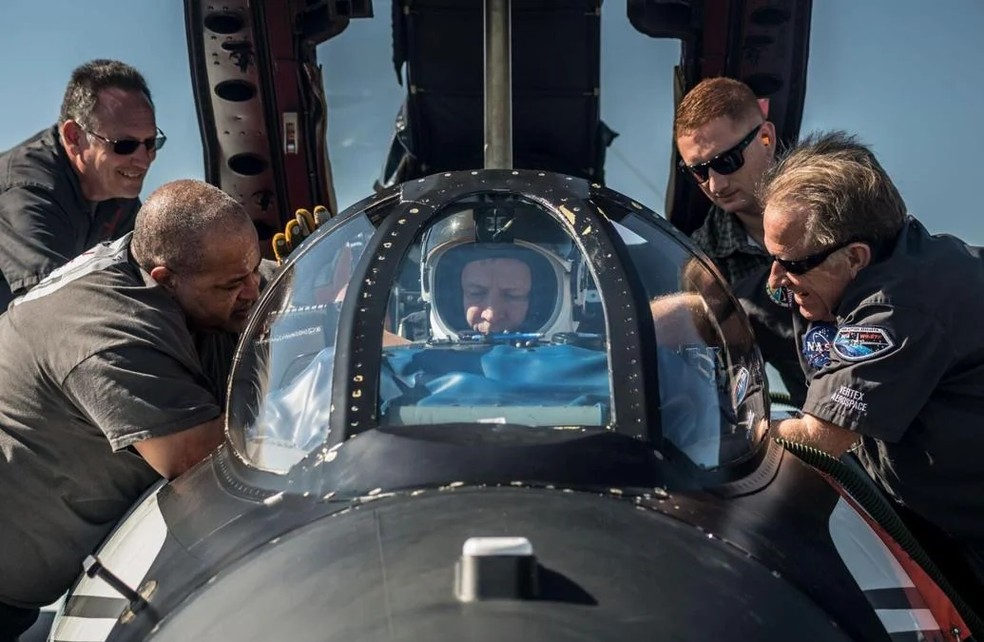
104,174
819,290
221,295
735,191
496,294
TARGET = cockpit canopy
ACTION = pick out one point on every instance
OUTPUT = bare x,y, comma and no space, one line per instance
497,301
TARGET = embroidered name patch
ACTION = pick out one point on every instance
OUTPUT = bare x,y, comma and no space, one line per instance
816,344
851,399
858,343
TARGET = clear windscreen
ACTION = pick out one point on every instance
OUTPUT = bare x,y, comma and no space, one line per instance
711,377
496,317
280,398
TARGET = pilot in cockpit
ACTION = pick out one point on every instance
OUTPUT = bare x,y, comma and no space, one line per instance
503,334
496,292
500,322
496,269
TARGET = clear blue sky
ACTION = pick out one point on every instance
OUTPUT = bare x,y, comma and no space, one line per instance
907,82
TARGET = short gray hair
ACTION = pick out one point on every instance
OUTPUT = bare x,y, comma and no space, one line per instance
848,195
174,224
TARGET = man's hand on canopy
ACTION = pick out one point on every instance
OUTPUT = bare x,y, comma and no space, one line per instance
297,229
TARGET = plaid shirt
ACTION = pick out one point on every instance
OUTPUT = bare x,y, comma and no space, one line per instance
725,241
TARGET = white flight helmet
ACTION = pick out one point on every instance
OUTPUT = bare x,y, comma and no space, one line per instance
496,226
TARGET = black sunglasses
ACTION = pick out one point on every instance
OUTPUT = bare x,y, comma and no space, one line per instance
804,265
727,162
127,146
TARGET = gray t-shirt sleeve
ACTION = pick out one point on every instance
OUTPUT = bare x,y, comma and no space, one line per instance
137,392
885,363
38,235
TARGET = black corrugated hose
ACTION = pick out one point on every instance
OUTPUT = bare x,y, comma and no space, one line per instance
870,498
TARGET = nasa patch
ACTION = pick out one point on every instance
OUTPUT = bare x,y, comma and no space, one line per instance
858,343
740,389
816,344
780,295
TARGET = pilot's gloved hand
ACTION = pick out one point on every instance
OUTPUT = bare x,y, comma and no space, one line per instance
297,229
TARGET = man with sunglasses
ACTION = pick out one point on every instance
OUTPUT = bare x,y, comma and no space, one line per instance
890,319
77,183
725,146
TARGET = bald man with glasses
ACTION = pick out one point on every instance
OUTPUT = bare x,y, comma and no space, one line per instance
726,145
77,183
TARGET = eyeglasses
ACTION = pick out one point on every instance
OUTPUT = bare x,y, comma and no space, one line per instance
804,265
126,146
727,162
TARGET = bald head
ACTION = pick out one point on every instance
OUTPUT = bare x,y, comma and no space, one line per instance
180,220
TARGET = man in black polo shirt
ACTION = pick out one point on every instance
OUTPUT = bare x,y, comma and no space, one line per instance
114,370
890,320
77,183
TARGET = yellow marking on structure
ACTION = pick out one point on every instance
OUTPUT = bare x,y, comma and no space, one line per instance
569,215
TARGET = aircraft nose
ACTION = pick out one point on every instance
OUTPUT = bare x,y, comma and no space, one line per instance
390,574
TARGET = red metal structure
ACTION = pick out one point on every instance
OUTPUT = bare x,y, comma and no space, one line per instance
263,113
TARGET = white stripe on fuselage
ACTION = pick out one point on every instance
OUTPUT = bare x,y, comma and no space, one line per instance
83,629
128,553
901,620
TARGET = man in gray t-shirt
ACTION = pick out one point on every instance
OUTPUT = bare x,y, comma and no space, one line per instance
106,380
